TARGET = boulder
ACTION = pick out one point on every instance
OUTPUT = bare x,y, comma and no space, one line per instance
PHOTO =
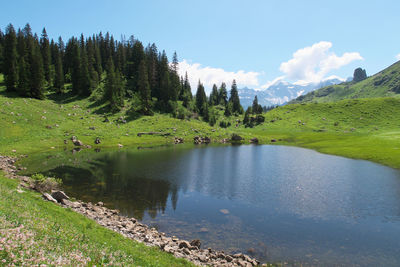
254,140
195,243
97,141
273,140
236,138
48,197
59,195
184,244
77,142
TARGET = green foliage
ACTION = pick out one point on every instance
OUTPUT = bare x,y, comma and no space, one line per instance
10,59
201,100
46,184
234,99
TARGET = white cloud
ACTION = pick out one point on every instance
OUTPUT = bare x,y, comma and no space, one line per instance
269,83
398,57
209,76
313,63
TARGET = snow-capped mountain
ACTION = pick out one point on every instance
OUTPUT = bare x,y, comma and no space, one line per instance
281,92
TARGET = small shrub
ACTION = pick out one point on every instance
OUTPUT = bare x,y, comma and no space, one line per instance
45,184
336,123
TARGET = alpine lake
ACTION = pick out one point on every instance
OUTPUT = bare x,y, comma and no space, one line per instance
279,204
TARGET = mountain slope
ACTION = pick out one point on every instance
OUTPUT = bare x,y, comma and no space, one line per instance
280,92
383,84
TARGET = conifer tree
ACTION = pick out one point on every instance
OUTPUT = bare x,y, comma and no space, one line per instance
114,87
1,51
256,108
10,59
201,99
174,78
75,66
234,99
85,84
37,72
23,87
59,73
152,70
214,96
46,55
144,88
223,95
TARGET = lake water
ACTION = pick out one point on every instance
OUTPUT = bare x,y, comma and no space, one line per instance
277,203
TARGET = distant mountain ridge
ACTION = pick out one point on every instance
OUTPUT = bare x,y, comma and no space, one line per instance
385,83
281,92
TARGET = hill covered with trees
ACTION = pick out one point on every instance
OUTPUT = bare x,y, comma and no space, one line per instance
126,74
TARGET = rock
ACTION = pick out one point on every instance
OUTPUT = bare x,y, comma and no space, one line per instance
228,258
201,140
184,244
236,138
78,142
97,141
101,204
65,141
59,195
120,146
178,140
224,211
13,150
48,197
73,138
92,128
49,127
195,243
273,140
254,140
88,146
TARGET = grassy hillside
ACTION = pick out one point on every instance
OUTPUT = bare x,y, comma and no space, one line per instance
383,84
36,232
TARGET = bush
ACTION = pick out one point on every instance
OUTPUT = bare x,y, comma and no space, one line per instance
224,124
45,184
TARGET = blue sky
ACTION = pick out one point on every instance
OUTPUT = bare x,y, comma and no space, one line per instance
252,41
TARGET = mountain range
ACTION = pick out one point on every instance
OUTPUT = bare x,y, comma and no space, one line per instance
281,92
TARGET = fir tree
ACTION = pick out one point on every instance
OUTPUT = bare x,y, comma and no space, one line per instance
1,51
85,84
46,55
23,87
256,108
114,87
37,73
234,99
75,66
214,96
201,99
223,95
59,73
144,88
10,59
174,78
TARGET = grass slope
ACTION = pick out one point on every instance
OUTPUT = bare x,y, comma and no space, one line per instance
383,84
35,232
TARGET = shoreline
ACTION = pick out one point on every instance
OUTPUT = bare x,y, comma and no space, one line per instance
131,228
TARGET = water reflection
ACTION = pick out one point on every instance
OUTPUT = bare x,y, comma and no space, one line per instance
280,203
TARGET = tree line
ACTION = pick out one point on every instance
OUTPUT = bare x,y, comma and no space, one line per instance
119,71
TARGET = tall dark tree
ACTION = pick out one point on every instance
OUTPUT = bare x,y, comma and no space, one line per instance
114,87
256,108
234,99
144,88
152,69
85,83
46,55
214,96
59,73
10,59
75,66
187,96
23,87
37,72
201,99
174,78
1,51
223,95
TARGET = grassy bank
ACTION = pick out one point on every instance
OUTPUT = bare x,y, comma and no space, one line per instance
35,232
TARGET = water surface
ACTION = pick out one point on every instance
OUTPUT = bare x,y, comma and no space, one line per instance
281,204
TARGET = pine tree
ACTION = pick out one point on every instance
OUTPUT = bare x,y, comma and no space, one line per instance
214,96
85,83
46,55
144,88
114,87
201,99
223,95
75,66
174,78
234,99
10,59
37,72
59,73
152,70
256,108
23,87
1,51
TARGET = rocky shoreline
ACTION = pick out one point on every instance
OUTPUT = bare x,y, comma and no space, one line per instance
131,228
